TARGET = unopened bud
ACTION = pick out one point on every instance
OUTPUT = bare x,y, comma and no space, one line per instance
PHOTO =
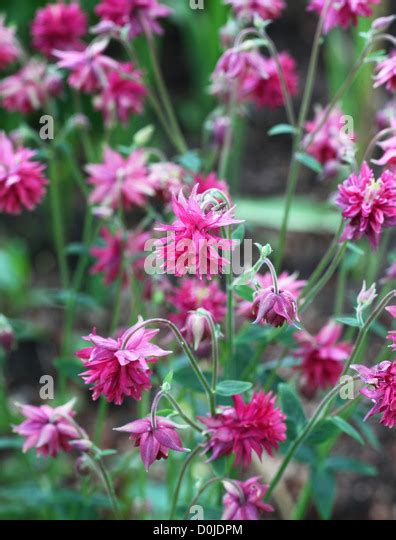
7,337
366,296
196,326
382,23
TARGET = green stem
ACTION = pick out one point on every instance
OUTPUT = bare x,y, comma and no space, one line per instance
183,471
181,413
201,491
230,318
302,503
58,230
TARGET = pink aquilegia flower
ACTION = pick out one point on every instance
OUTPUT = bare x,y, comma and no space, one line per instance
193,243
388,158
166,178
9,46
22,181
120,181
322,357
343,13
382,391
287,282
210,181
331,144
267,92
138,15
118,368
30,88
48,429
368,204
386,117
386,73
58,26
275,308
244,500
154,441
219,127
89,67
109,255
245,428
123,94
249,9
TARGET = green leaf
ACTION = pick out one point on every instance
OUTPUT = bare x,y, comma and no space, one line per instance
232,388
348,321
344,463
282,129
245,292
291,406
8,443
347,428
355,249
322,432
168,379
309,162
323,491
238,234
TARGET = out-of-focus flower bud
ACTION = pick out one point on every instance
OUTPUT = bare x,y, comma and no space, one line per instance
82,466
366,296
7,337
196,327
82,445
382,23
143,136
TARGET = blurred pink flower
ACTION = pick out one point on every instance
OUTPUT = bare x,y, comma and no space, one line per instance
392,311
30,88
343,12
193,244
386,73
388,158
219,127
136,14
210,181
9,46
123,94
390,273
7,336
382,392
89,67
120,181
245,428
275,308
22,182
265,9
116,369
322,357
154,441
58,26
244,500
167,179
386,117
48,429
368,204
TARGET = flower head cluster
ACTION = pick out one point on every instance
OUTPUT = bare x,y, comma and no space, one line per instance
244,500
59,26
322,357
49,430
343,13
22,180
386,73
9,47
368,204
118,368
265,9
245,428
194,244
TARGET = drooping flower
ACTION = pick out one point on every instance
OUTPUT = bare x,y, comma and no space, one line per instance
194,244
210,181
166,178
245,428
244,500
118,368
388,158
30,88
386,73
89,67
368,204
382,390
275,308
331,144
59,26
265,9
110,255
22,181
322,357
343,13
154,441
9,47
120,181
287,282
137,15
123,94
48,429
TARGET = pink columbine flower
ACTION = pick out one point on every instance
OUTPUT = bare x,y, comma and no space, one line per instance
120,181
123,94
210,181
368,204
331,144
245,428
343,13
268,91
194,244
287,282
322,357
386,117
156,440
30,88
388,158
138,15
265,9
275,308
89,67
244,500
9,46
58,26
22,181
48,429
219,127
118,368
382,391
166,178
386,73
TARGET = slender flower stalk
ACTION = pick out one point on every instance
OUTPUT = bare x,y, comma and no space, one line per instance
180,479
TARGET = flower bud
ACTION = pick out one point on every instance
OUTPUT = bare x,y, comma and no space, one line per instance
382,23
366,296
275,308
83,445
196,327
